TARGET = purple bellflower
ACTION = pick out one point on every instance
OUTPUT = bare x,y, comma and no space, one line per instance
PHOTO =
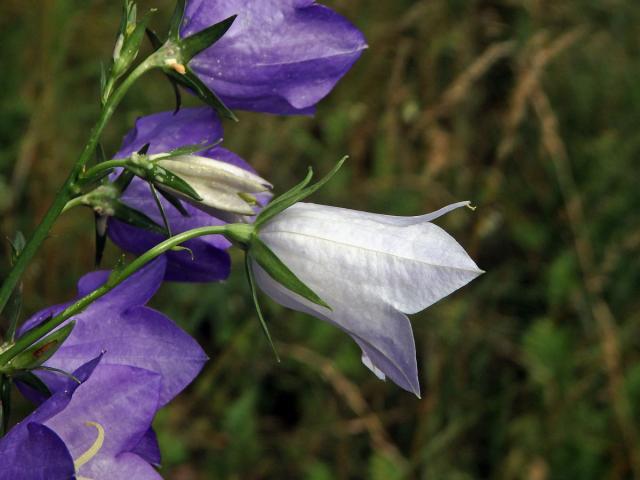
86,431
371,270
279,56
126,332
165,132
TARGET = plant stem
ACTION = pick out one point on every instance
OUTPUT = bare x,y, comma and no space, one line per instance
67,190
104,166
117,277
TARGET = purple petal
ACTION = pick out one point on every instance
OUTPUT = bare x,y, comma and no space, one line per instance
128,333
148,448
122,401
31,451
279,56
167,131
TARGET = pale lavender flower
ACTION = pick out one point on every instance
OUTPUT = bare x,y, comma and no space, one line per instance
371,270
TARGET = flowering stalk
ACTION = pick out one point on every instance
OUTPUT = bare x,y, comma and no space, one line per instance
117,277
69,188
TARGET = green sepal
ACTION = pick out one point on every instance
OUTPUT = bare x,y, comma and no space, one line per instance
161,176
101,225
191,81
254,295
163,214
129,215
13,308
33,381
278,271
173,200
274,207
176,20
196,43
188,150
296,194
41,351
156,43
5,403
124,179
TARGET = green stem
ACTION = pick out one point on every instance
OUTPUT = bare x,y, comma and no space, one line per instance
117,277
67,190
104,166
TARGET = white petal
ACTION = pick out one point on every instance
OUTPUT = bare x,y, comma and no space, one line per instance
383,333
409,267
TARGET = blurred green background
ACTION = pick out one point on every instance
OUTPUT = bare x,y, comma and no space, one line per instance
529,108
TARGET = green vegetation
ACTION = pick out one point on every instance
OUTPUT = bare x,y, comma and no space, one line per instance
528,108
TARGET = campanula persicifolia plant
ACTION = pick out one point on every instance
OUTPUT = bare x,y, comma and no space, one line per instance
101,365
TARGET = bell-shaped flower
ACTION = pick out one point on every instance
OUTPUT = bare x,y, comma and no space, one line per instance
90,430
165,132
279,56
120,326
371,270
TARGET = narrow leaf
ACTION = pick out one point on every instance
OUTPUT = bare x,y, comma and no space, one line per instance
254,295
281,273
13,309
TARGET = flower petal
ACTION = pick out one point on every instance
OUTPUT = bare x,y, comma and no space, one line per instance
408,266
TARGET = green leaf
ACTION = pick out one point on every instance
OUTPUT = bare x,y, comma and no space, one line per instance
189,150
41,351
296,194
254,295
281,273
123,212
196,43
34,382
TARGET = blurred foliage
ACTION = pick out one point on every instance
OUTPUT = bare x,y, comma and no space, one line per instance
530,108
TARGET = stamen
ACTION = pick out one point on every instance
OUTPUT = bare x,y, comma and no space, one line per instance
93,450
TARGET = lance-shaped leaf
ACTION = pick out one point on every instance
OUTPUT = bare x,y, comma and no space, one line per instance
176,20
278,271
131,46
41,351
296,194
